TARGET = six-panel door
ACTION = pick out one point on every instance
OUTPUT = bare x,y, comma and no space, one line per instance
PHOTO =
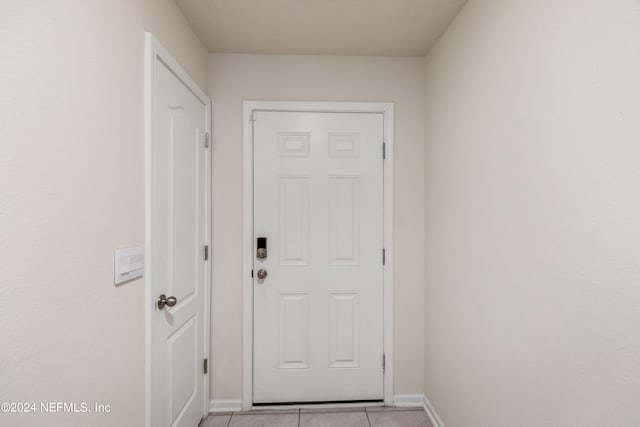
318,200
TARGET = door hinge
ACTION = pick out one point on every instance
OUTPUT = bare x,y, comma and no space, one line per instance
252,274
206,366
384,256
206,252
384,150
206,140
254,116
384,362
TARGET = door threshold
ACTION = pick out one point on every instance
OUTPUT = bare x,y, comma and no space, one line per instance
320,404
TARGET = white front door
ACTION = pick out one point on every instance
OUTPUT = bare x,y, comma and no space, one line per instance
178,236
318,209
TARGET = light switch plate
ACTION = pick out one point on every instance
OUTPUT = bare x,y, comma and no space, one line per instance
128,264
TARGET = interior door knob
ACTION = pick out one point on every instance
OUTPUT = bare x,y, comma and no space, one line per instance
168,301
262,274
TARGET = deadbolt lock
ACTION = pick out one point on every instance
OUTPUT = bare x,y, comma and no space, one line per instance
261,250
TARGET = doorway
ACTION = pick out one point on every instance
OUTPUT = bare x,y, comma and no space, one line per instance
318,247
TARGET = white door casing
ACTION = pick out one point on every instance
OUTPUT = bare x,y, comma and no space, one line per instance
323,199
178,172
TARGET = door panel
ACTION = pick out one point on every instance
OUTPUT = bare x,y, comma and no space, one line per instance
177,266
293,330
344,220
318,200
183,382
344,330
293,215
183,174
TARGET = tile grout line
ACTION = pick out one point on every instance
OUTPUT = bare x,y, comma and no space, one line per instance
367,414
299,416
229,422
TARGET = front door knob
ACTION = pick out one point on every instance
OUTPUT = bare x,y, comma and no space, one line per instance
262,274
168,301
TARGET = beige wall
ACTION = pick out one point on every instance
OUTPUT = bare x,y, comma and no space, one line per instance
234,78
71,191
532,181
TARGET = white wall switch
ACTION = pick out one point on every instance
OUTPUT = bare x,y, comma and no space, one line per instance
128,264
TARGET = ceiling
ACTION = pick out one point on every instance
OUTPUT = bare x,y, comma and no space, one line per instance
320,27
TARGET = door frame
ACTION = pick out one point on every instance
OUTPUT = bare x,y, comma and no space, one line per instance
384,108
154,50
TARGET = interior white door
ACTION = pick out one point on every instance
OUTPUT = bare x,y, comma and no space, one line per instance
178,237
318,201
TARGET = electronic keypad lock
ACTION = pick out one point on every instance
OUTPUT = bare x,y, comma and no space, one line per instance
261,252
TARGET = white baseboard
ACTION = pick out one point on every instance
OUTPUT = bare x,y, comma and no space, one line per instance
420,401
409,400
432,414
225,405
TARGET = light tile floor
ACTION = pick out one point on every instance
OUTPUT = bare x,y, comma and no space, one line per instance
374,416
